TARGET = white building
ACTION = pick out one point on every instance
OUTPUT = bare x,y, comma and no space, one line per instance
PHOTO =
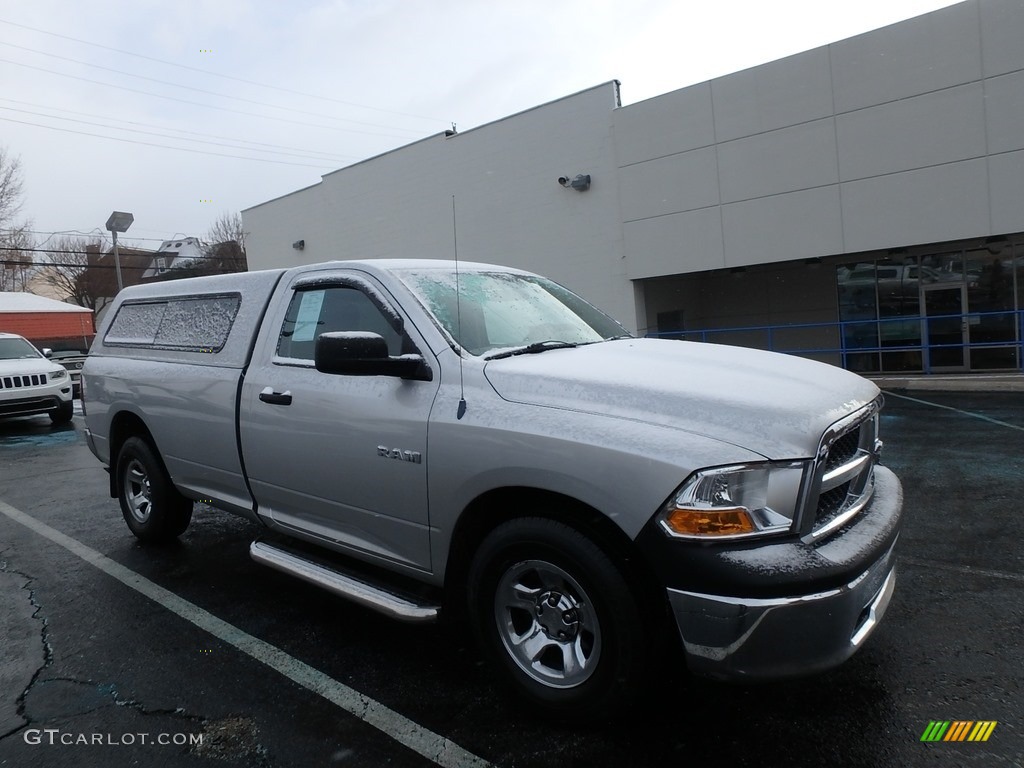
837,195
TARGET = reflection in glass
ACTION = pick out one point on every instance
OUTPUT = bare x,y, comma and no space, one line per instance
899,289
946,326
988,273
859,314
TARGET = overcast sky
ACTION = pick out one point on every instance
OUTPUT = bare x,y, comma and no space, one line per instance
292,90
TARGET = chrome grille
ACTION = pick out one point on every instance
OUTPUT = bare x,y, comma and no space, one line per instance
843,449
19,382
844,470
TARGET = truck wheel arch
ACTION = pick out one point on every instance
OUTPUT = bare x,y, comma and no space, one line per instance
124,425
497,506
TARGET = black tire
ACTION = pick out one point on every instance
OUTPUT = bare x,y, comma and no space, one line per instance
64,412
152,507
535,578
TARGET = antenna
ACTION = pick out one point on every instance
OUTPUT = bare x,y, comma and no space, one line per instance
458,314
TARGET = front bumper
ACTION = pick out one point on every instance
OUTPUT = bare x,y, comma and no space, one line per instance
35,400
732,638
802,631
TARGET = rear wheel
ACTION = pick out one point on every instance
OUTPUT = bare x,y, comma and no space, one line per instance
154,510
557,615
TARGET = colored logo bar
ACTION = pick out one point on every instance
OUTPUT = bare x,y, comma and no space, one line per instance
959,730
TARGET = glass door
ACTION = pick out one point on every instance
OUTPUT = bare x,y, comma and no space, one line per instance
947,332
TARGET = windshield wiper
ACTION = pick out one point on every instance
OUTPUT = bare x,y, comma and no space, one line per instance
532,349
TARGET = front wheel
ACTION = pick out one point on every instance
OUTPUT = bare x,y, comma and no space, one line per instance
152,507
64,413
560,619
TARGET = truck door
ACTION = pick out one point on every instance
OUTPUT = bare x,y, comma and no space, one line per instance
339,458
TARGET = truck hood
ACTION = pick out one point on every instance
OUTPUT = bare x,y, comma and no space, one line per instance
773,404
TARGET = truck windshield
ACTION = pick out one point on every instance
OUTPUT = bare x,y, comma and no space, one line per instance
17,349
503,311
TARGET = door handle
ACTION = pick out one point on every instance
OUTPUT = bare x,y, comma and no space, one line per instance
268,395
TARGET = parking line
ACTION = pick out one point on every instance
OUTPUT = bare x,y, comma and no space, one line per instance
969,570
421,740
958,410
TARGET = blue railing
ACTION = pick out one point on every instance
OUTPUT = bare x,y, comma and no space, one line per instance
911,334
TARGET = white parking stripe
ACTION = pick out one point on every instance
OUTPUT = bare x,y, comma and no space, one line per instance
412,735
970,570
958,410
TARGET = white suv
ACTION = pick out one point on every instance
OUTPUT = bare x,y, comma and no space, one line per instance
29,383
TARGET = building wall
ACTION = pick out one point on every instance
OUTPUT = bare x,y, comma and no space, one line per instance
509,206
904,135
44,328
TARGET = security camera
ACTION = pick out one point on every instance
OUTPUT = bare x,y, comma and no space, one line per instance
581,183
298,245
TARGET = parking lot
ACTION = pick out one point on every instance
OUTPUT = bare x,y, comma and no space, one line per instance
115,654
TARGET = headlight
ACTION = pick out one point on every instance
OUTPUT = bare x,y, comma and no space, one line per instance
60,373
736,501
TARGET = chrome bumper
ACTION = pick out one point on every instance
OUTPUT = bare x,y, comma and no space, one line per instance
760,639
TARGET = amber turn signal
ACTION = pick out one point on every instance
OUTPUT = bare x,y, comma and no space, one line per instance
710,522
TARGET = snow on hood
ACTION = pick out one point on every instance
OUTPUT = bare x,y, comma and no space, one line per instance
26,366
773,404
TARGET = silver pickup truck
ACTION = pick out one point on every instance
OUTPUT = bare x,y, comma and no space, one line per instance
413,436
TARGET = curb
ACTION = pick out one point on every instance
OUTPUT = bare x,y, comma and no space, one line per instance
1013,382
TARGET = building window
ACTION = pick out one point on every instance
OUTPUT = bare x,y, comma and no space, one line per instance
946,311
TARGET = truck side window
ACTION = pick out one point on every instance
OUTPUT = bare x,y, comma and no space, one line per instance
337,308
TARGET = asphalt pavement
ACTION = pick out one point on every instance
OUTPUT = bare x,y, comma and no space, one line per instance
192,655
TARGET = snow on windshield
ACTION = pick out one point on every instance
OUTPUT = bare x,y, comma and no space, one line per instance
500,310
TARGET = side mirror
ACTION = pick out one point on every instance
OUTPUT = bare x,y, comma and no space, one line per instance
47,352
358,353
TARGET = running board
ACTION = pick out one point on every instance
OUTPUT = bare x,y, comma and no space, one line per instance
344,585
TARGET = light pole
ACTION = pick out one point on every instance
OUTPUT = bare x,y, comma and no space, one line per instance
118,222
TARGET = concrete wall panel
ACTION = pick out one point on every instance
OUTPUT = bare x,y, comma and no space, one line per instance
926,130
666,125
797,89
668,245
1006,184
1004,112
796,225
927,53
786,160
670,184
1002,29
947,202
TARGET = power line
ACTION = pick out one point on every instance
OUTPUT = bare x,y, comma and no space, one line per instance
163,135
217,74
80,233
161,146
326,155
201,90
32,264
61,252
200,104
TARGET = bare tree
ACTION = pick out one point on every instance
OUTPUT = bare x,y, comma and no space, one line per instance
12,186
227,227
226,249
16,265
72,270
